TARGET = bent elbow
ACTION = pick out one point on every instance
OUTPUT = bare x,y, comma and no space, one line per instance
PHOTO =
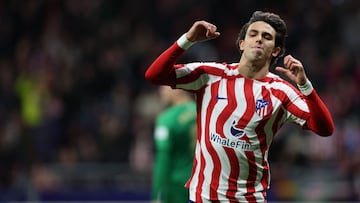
327,132
160,78
149,76
323,129
152,77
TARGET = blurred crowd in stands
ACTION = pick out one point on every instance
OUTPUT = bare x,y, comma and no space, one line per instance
72,87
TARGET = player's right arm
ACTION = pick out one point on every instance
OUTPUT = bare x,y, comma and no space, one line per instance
162,71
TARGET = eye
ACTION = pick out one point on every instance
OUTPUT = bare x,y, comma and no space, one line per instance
253,33
267,36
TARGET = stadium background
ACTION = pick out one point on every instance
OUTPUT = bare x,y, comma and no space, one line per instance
76,114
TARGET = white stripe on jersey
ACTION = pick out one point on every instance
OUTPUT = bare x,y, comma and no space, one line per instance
195,175
295,99
196,84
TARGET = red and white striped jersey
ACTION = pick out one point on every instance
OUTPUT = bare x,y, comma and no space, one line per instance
237,120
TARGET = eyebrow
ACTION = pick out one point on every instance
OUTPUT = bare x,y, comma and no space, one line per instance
253,30
257,31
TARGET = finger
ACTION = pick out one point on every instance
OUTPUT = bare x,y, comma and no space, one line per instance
293,63
289,60
290,65
281,69
211,27
284,71
286,59
214,35
210,34
294,71
211,30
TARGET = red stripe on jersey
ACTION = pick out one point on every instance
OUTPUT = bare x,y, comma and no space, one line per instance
198,189
279,80
195,74
195,162
201,179
290,106
260,131
243,121
250,186
249,95
214,156
277,124
225,114
199,98
248,114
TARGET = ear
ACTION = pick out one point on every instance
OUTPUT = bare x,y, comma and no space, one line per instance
276,51
241,45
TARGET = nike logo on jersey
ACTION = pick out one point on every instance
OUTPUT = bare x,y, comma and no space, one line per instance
220,98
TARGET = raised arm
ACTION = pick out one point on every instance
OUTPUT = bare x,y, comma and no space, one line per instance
320,120
161,71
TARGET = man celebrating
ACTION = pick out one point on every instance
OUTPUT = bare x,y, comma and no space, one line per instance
240,107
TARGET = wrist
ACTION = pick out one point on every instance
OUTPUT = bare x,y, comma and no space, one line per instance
183,42
306,88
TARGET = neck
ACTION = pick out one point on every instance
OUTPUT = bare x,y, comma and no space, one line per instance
253,69
181,100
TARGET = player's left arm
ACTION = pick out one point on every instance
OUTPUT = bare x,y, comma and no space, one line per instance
320,120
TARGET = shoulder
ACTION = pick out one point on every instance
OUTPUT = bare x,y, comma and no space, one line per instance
172,112
177,117
204,67
188,108
165,117
277,80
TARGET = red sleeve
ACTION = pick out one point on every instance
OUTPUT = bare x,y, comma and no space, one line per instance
161,71
320,120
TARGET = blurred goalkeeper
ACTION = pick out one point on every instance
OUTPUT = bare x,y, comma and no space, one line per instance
175,134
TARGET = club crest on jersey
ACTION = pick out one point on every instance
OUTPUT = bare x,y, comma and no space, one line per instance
262,107
236,132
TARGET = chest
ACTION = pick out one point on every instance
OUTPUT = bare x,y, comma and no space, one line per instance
242,101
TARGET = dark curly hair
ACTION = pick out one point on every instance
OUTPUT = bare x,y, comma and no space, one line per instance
276,22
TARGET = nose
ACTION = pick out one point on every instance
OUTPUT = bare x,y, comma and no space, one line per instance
259,38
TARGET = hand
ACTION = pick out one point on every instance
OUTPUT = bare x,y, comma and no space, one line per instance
294,70
202,31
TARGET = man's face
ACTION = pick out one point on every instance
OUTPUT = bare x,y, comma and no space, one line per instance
259,42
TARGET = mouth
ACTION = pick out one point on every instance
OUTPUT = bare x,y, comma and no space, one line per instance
257,50
258,47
